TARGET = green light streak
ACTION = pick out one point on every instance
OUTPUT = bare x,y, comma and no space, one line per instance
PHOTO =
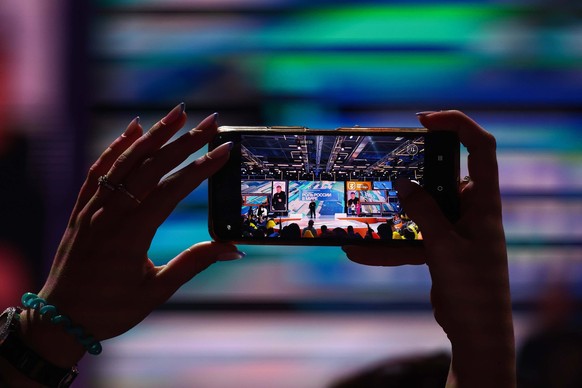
388,24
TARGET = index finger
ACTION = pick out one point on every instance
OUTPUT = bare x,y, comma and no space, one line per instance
480,144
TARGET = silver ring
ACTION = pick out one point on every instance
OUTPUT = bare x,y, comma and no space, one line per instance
103,181
467,178
122,188
207,156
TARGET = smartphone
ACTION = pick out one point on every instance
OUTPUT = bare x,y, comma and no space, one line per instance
301,186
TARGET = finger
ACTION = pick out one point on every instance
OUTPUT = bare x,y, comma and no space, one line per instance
423,210
162,200
146,177
464,182
104,163
150,142
191,262
480,144
385,256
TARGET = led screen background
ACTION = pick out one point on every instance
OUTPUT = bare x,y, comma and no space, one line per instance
514,66
329,197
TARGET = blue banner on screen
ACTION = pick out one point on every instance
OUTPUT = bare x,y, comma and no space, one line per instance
320,195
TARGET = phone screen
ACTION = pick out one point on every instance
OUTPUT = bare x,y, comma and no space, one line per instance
321,189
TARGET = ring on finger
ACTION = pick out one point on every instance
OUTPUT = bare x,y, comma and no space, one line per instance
121,187
103,181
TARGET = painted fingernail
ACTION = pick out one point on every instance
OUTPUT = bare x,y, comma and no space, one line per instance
425,113
404,187
220,151
132,127
174,114
207,123
229,256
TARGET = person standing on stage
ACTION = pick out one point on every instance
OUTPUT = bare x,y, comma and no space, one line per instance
312,207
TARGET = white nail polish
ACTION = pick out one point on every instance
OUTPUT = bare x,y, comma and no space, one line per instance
221,150
229,256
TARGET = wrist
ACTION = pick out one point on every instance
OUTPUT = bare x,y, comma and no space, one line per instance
483,344
21,362
464,312
49,341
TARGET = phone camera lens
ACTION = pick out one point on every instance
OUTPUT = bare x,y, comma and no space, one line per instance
412,149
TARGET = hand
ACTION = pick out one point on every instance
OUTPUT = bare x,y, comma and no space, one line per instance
101,275
467,260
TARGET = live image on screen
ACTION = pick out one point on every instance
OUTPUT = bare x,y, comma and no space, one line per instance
327,198
327,186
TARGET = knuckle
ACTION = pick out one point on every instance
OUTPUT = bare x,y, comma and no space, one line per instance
148,163
121,159
489,141
93,170
150,133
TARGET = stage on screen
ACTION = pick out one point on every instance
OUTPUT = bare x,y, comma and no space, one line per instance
322,209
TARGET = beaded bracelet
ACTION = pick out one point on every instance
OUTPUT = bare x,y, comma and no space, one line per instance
30,300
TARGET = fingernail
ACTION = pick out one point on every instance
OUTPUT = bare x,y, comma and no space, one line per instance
404,187
207,123
425,113
174,114
221,150
229,256
132,127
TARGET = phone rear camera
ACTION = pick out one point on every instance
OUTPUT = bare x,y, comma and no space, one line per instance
412,149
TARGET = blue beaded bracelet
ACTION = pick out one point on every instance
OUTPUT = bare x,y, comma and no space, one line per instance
30,300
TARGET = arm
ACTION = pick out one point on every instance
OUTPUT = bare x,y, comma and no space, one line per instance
467,262
101,275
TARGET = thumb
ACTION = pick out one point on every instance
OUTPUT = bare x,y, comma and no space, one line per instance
191,262
423,210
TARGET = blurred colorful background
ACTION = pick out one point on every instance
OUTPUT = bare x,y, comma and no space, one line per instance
76,73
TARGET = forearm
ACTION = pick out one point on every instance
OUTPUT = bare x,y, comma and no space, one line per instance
483,366
483,351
